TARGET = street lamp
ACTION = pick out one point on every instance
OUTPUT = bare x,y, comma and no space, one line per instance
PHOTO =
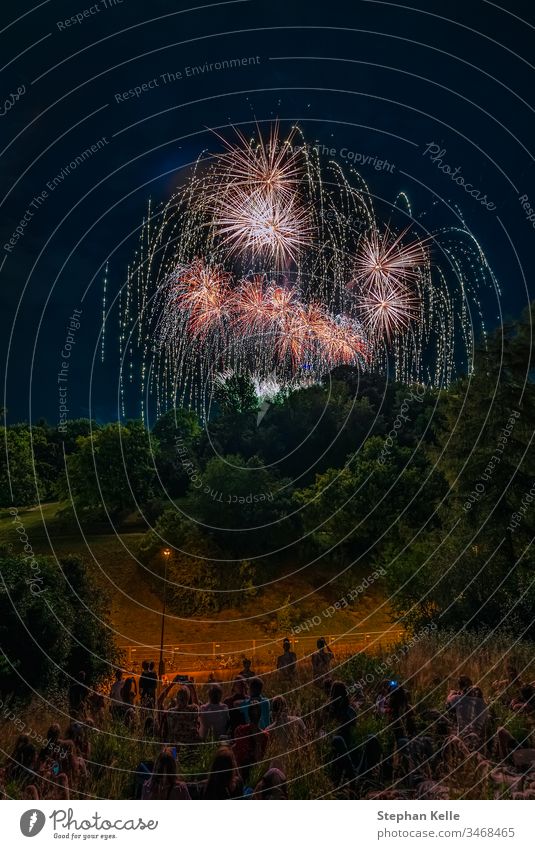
161,666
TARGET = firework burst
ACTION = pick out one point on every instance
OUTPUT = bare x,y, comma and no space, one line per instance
200,292
249,306
292,336
269,167
269,262
262,224
386,308
385,259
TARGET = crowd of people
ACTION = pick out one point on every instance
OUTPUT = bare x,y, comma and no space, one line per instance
241,739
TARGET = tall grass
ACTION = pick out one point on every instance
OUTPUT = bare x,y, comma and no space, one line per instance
429,669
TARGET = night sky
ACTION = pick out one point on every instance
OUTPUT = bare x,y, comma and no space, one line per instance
378,78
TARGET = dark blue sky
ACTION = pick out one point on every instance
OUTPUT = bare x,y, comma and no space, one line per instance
379,78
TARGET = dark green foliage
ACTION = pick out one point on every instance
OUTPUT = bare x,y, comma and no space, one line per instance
236,395
371,501
52,624
17,476
201,577
177,433
360,468
315,429
36,460
476,568
243,504
112,470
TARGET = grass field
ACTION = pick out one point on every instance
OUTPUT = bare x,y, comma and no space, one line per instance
135,608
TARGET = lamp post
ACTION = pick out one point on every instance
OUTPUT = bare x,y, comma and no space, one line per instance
161,666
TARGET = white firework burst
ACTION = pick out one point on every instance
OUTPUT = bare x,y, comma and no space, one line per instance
262,224
386,308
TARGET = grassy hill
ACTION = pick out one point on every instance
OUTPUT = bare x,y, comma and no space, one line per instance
135,607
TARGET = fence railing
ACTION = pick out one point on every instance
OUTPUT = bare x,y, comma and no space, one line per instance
229,654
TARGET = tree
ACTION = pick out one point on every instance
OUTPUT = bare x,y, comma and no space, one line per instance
242,504
93,648
378,389
477,566
112,470
52,624
236,394
48,459
72,430
315,429
370,501
177,433
17,476
202,578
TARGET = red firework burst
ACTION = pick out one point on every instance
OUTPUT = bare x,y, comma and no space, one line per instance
201,291
257,165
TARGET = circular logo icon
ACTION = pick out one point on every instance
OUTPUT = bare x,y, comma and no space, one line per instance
32,822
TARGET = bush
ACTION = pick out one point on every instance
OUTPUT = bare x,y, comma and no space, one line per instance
112,470
52,624
202,578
